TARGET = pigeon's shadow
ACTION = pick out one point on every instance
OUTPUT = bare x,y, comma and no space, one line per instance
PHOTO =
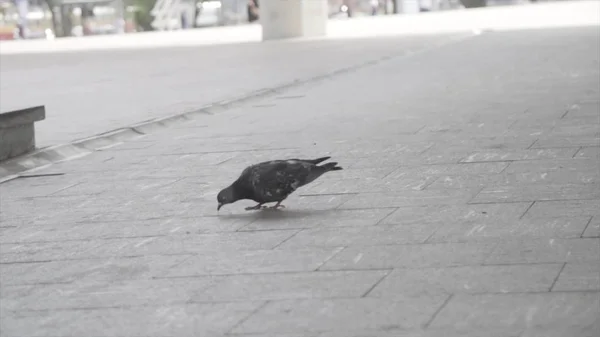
276,214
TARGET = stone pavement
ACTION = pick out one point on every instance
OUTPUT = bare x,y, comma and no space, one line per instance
469,206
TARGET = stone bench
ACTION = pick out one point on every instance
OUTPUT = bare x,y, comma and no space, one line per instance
17,132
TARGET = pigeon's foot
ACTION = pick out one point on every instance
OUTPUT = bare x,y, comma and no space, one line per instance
277,205
255,208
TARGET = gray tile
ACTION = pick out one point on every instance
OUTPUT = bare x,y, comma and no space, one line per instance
508,155
68,271
538,192
448,169
361,236
468,279
102,294
464,181
251,262
571,331
545,250
505,311
494,229
341,315
290,286
409,198
592,152
410,256
124,229
426,333
360,185
134,186
579,276
291,219
185,320
193,244
564,208
573,142
444,214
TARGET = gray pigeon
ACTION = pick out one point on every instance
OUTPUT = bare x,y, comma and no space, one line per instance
273,181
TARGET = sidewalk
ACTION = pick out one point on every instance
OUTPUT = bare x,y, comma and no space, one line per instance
469,206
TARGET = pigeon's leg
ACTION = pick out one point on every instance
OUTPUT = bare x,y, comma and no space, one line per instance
277,205
254,208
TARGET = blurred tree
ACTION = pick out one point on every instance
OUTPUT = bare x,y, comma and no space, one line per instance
142,15
55,23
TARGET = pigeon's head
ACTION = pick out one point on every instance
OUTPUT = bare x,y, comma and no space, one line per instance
226,196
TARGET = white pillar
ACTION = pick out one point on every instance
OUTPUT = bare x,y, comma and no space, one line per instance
281,19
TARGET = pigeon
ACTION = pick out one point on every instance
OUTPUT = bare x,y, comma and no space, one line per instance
273,181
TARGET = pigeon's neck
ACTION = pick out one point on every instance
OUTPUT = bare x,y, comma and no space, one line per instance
241,191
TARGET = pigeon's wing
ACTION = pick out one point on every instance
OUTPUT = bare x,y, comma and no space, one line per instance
275,180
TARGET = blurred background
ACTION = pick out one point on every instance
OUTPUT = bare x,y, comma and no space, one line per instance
48,19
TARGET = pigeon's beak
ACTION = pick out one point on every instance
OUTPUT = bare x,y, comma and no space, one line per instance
219,206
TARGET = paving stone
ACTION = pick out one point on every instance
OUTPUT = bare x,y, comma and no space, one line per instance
408,198
545,250
410,256
448,214
69,271
193,244
573,142
292,219
122,229
532,154
564,208
464,181
369,185
592,152
505,311
101,294
116,187
426,333
468,279
185,320
19,188
252,262
45,251
448,169
575,331
290,286
584,109
538,193
579,277
361,236
494,229
341,314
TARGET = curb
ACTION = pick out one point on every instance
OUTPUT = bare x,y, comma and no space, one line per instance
41,158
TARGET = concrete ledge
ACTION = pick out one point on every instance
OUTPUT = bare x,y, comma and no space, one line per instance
17,132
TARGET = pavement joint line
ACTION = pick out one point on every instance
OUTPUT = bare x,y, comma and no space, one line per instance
586,227
576,152
339,250
286,239
557,277
527,210
435,314
244,319
83,147
366,293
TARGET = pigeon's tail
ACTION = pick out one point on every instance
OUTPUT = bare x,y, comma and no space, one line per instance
331,167
318,160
